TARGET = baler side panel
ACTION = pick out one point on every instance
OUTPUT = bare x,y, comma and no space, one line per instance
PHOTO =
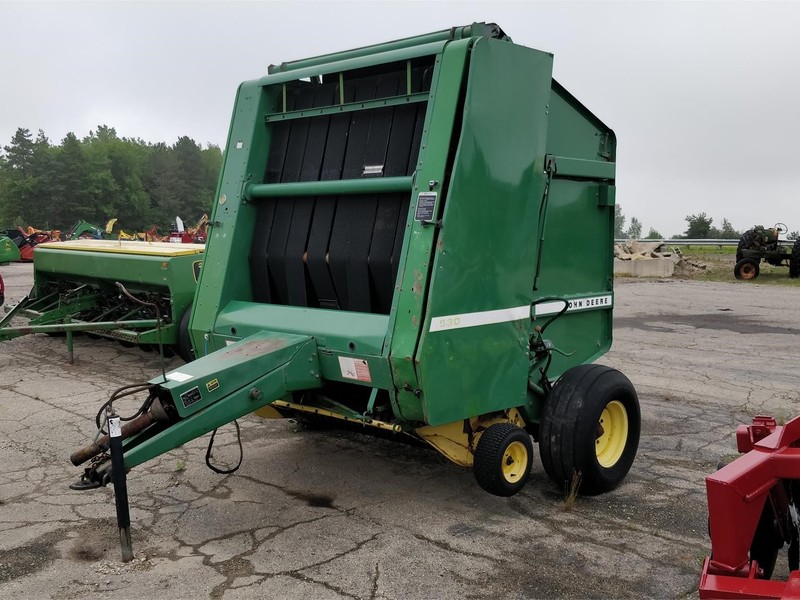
435,141
485,257
576,262
224,276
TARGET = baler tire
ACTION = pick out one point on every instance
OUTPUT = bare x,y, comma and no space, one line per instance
794,260
503,457
575,450
184,345
746,269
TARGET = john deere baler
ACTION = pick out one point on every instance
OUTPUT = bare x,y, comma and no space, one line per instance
413,237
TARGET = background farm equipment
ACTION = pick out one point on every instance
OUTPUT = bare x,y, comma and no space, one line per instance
9,252
26,241
386,253
761,243
191,235
752,511
133,292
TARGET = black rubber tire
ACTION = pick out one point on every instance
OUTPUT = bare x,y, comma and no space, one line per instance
490,455
794,260
569,425
184,345
767,540
745,267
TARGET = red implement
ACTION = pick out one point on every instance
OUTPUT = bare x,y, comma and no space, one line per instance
750,510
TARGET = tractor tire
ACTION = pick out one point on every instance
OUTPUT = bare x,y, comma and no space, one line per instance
590,429
745,243
794,261
503,458
184,346
746,269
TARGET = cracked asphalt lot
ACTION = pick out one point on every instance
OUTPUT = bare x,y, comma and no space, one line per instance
340,515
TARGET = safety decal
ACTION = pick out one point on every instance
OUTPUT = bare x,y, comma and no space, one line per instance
355,368
191,396
426,201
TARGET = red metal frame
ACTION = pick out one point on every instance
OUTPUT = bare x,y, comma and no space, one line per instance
736,495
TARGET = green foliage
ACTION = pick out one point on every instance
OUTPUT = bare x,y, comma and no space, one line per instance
699,226
104,176
619,222
728,232
653,235
635,230
793,235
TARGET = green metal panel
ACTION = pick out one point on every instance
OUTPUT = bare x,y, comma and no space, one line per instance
576,132
334,329
234,382
579,167
351,335
486,252
454,33
586,269
173,275
232,219
434,155
334,187
9,252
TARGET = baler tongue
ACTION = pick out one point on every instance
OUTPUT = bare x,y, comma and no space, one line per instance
212,391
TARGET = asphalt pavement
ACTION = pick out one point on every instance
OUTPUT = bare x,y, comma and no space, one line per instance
340,515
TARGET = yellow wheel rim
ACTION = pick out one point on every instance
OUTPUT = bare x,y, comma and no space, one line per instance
612,434
515,460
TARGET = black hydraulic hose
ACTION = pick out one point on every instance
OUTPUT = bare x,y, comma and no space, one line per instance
125,390
158,327
211,445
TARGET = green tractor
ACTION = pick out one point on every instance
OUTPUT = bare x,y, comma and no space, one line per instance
761,243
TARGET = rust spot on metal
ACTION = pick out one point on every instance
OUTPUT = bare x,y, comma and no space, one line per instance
258,347
414,320
416,289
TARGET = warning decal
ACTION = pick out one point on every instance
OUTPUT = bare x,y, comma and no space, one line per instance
355,368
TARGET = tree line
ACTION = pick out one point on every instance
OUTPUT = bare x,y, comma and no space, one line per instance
103,176
699,227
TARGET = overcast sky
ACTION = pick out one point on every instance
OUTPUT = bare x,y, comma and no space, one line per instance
704,97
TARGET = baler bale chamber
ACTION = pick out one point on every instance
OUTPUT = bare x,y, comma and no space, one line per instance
414,237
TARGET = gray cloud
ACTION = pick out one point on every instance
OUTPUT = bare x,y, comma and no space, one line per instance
703,96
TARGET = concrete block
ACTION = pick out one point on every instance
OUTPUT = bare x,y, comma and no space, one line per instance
654,267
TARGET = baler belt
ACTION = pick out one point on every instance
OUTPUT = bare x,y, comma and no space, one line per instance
284,207
296,277
259,272
325,208
351,245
